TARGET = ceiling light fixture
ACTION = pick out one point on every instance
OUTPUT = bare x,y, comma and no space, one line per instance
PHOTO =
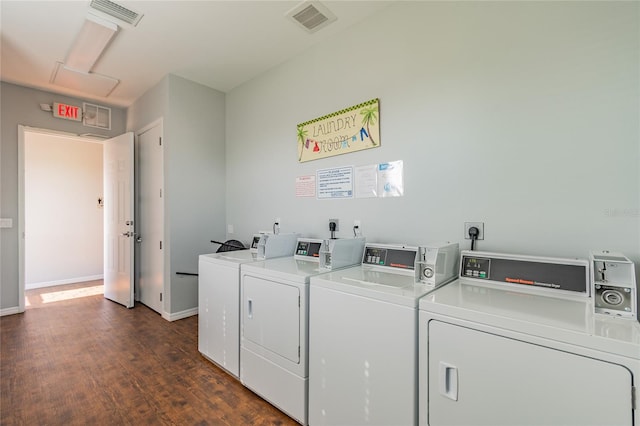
86,82
95,35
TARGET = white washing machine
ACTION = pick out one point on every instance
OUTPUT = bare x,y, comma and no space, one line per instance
274,322
219,299
363,349
515,341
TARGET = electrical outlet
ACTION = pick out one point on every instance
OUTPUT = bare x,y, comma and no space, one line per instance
337,222
357,223
229,229
278,221
479,225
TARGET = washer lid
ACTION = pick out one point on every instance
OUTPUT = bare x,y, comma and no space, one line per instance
375,284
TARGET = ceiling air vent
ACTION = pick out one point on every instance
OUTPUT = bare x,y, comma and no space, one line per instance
312,15
117,11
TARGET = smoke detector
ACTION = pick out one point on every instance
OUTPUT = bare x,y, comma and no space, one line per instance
311,15
117,11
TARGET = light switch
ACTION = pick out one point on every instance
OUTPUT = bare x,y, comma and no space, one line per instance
6,223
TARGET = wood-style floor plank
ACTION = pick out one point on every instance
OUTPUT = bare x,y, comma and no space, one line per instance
91,361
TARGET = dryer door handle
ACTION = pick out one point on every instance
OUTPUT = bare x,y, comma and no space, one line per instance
250,308
449,381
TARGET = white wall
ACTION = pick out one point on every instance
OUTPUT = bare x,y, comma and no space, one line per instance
63,223
523,115
194,177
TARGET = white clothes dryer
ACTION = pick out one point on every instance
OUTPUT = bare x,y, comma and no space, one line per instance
515,341
219,300
363,336
274,323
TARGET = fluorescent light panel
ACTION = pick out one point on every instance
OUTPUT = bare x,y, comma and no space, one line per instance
95,35
95,84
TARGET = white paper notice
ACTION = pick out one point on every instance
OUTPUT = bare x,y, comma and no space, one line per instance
367,181
306,186
390,179
335,183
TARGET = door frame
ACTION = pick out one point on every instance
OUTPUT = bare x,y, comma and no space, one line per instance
166,287
22,130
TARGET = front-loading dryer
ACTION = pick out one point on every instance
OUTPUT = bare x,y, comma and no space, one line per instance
515,341
219,297
274,321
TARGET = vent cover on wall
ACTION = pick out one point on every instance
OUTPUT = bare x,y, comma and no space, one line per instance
311,15
96,116
117,11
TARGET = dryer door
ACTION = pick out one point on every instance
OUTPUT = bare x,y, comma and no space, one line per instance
485,379
271,317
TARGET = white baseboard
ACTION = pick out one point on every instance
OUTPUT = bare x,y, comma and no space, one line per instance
180,315
62,282
11,311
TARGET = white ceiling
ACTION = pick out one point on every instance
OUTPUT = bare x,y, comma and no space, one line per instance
220,44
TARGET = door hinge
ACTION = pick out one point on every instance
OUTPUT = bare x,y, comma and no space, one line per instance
160,141
160,192
160,245
298,351
161,297
298,301
634,398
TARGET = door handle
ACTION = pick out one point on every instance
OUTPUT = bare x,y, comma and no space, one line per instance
250,308
448,381
127,234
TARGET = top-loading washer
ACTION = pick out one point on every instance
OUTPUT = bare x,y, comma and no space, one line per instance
363,334
274,321
219,297
515,341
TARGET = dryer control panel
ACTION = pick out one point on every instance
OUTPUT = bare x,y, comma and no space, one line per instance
390,256
570,276
308,248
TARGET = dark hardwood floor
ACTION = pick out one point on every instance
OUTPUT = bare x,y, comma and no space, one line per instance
87,360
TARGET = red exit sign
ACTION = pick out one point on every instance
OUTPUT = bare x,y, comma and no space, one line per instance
68,112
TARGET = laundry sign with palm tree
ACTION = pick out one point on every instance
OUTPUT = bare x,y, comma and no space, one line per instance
348,130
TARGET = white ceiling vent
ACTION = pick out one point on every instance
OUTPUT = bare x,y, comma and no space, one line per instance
117,11
96,116
311,15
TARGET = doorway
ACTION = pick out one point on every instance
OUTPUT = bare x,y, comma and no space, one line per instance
63,218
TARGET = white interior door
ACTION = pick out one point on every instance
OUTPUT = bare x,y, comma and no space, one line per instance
151,218
119,233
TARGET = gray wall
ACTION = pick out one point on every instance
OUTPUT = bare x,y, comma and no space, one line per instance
194,173
20,106
521,115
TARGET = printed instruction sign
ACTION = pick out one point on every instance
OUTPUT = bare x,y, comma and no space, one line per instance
335,183
390,179
306,186
367,181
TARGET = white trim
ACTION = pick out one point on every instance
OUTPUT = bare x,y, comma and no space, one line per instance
21,196
180,315
11,311
63,282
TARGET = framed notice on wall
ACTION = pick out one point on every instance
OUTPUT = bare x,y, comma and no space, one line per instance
348,130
